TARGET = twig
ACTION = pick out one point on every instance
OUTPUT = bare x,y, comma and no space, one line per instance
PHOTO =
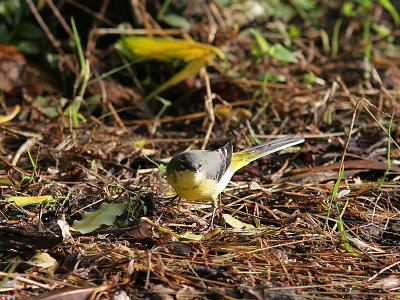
92,13
384,269
116,116
105,31
46,29
28,144
60,18
209,109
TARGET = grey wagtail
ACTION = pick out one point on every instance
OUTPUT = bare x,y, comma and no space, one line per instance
204,174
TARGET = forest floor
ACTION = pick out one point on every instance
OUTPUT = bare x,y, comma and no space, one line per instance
318,220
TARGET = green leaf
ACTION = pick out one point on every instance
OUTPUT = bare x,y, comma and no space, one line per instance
27,30
392,10
343,235
293,31
4,35
310,77
176,21
381,29
348,9
50,110
28,47
139,143
282,54
261,41
10,9
105,215
235,223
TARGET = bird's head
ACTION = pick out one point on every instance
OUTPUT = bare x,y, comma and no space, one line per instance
185,167
186,161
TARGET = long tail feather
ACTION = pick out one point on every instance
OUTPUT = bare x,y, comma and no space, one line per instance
242,158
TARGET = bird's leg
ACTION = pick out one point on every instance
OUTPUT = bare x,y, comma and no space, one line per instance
214,210
179,201
174,198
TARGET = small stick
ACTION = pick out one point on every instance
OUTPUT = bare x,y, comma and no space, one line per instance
209,109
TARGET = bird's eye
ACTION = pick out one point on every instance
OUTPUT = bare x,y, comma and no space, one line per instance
182,165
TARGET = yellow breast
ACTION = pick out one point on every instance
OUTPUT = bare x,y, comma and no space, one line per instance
193,186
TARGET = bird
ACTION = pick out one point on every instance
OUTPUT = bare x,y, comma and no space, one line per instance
203,174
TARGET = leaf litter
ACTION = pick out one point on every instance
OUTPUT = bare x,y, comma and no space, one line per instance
275,237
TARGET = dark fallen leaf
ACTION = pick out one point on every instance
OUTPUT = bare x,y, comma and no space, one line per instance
214,272
118,94
69,294
71,261
177,248
20,239
263,294
148,199
41,78
188,293
142,231
12,65
161,292
227,90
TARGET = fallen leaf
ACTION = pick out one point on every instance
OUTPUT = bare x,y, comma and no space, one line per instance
21,239
45,262
167,49
198,54
64,229
105,215
188,235
235,223
70,293
12,67
28,200
390,282
12,115
142,231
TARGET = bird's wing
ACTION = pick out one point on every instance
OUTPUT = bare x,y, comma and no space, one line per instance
218,161
242,158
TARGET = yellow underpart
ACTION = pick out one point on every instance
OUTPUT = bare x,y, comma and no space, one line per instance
204,191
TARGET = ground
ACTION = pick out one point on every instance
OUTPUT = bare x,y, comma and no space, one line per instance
318,220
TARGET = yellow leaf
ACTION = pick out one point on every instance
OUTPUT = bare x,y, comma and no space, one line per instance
167,49
139,143
23,201
6,118
5,181
225,113
45,262
235,223
192,69
188,235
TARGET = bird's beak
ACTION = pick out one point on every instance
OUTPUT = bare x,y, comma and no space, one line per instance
193,169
